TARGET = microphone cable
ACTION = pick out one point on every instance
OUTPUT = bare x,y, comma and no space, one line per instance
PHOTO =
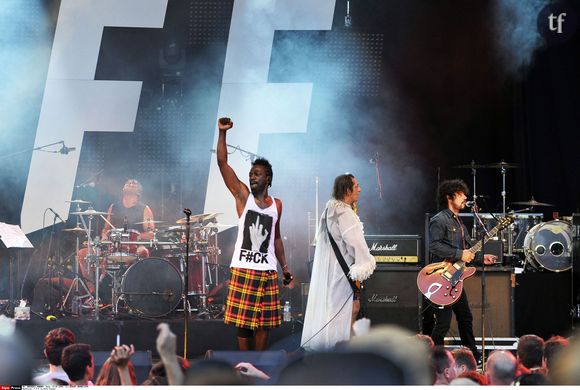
327,323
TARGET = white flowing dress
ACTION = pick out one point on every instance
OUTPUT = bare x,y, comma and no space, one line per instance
328,316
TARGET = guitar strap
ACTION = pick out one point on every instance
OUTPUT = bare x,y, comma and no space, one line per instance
339,257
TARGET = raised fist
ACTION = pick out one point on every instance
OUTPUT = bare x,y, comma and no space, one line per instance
225,123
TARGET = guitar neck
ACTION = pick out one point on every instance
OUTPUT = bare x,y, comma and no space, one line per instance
477,247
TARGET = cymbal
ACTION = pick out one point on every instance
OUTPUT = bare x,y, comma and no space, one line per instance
89,212
79,201
198,218
75,230
470,165
502,164
532,203
143,223
218,225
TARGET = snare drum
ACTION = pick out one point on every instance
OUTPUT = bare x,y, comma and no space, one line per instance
549,245
118,250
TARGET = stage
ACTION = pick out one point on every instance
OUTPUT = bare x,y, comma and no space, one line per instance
203,335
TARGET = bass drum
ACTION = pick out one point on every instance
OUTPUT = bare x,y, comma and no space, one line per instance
152,287
549,245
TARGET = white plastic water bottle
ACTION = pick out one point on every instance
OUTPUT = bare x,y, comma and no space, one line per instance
287,315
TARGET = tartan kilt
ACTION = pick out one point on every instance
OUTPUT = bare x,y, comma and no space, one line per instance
253,299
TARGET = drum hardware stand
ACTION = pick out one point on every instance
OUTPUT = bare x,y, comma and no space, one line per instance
77,299
184,295
474,174
93,259
508,231
203,310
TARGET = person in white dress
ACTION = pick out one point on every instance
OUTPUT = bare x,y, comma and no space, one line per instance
332,305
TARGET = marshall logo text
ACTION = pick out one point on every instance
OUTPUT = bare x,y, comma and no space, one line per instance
377,298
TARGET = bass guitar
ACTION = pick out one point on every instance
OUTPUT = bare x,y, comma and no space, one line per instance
442,282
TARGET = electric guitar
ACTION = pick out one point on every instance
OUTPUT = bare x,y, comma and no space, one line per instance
442,282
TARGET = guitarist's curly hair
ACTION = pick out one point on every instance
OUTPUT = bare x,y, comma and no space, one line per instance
449,188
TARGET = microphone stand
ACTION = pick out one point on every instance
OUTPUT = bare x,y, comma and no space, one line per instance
483,233
185,295
52,268
39,148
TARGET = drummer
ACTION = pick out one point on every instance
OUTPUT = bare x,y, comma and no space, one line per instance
130,213
127,215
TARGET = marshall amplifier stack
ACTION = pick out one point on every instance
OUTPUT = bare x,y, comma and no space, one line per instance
395,250
391,295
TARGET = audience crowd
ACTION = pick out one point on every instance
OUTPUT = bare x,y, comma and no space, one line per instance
382,355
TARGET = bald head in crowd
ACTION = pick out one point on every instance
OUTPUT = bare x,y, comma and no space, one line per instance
501,368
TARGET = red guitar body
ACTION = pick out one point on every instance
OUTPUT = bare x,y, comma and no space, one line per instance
442,283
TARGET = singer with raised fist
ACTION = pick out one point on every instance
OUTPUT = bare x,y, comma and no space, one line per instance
449,241
253,301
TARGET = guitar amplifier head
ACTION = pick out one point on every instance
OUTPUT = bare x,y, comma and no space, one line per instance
395,249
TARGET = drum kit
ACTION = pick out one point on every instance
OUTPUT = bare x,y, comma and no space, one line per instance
138,284
541,245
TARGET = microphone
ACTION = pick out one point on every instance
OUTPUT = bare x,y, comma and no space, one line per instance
65,150
91,184
125,224
471,203
56,215
187,212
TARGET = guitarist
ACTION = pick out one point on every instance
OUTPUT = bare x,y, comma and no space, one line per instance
449,241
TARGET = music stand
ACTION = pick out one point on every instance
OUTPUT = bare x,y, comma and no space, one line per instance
12,237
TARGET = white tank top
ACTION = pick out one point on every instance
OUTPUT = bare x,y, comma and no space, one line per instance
256,233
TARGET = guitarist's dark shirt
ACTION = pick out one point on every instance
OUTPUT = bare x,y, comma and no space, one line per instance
446,240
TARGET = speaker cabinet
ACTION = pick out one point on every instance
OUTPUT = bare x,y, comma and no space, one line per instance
543,304
141,360
499,303
391,297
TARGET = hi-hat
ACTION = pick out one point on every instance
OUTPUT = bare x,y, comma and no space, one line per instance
89,212
75,230
198,218
533,203
79,201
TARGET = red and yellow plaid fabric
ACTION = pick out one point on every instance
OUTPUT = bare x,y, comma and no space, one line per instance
253,299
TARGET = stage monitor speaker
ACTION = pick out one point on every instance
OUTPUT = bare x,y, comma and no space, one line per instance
269,362
141,360
391,297
499,308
